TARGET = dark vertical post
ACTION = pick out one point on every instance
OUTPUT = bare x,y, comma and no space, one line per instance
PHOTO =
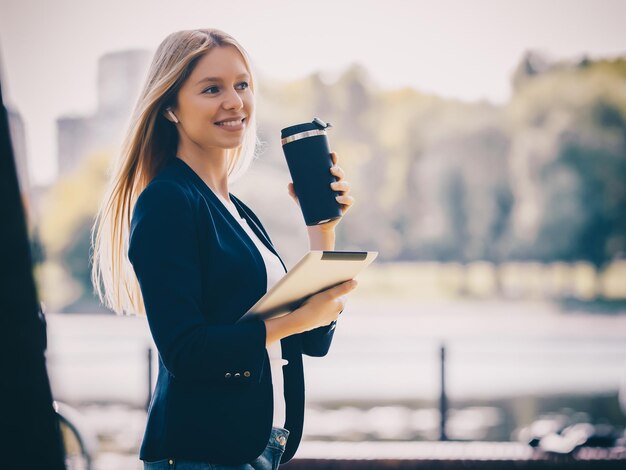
443,400
33,437
149,378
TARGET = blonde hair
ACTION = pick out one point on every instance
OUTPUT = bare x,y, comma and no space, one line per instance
150,142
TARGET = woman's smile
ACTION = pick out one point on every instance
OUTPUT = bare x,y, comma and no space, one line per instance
232,125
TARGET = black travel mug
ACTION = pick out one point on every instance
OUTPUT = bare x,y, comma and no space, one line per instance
308,157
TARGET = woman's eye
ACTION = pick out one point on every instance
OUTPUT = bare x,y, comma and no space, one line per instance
208,90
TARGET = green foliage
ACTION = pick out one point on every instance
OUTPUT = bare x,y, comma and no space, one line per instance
67,216
541,178
569,128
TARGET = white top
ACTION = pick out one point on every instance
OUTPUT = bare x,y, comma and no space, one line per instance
275,271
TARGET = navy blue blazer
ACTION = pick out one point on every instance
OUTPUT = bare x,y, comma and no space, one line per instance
199,272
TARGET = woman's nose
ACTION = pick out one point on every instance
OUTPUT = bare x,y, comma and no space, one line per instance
232,100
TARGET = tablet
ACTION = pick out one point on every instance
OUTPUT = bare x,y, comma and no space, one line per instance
315,272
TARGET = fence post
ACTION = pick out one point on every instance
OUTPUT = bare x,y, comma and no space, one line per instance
443,400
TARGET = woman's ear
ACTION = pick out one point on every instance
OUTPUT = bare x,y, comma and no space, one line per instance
170,116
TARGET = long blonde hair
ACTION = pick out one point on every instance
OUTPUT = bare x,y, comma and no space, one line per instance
151,140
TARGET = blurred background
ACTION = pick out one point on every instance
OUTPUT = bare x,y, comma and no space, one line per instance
486,145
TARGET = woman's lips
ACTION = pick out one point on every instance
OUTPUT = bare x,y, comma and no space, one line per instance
232,128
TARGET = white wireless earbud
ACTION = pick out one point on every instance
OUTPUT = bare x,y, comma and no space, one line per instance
172,115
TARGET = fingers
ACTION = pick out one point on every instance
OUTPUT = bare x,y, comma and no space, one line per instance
292,192
329,304
346,203
337,171
333,157
342,289
343,186
347,200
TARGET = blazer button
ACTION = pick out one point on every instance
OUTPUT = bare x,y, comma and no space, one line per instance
227,375
237,375
246,373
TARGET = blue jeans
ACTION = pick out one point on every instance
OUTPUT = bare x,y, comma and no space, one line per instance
268,460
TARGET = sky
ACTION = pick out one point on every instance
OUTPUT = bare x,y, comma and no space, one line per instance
464,49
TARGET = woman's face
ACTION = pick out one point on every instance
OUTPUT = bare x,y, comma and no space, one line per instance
216,91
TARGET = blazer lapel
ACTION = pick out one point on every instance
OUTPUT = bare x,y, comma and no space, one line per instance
256,229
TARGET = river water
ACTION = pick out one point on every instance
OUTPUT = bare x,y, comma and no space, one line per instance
382,350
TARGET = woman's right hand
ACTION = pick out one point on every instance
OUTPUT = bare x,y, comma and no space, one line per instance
324,307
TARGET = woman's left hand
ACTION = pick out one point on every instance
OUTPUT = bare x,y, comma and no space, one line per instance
341,186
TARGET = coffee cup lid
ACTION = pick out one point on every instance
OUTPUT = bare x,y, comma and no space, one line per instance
315,124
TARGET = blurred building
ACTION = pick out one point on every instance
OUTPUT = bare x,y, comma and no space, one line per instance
31,195
120,77
18,141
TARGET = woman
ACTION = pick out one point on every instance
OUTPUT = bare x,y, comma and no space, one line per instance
228,395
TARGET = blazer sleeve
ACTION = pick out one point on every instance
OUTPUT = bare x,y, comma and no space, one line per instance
317,342
164,251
